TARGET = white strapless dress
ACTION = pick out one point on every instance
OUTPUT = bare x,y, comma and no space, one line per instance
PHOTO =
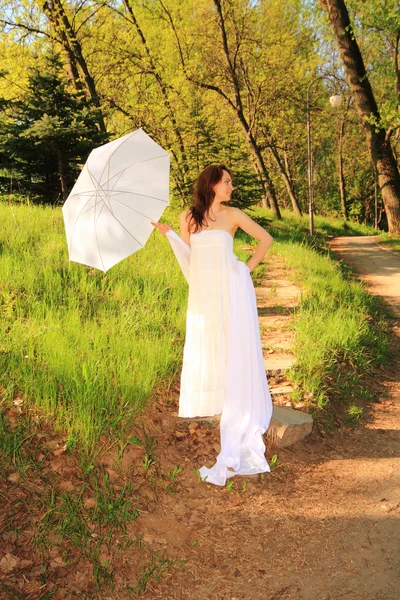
223,366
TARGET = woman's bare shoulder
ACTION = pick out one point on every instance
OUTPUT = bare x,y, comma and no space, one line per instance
184,215
234,213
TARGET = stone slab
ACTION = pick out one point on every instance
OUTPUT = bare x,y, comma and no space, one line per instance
281,390
209,422
269,344
275,321
278,362
288,426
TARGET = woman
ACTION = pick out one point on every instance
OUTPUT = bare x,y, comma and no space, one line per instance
223,366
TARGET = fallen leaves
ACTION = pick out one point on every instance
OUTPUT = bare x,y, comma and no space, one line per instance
9,562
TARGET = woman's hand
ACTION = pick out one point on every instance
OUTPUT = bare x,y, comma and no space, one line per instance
162,227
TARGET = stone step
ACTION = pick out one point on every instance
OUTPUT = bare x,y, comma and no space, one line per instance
284,289
209,422
288,426
281,390
274,321
278,362
270,345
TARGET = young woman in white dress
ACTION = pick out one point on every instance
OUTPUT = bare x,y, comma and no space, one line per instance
223,368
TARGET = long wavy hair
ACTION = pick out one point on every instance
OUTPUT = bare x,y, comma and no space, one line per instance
203,196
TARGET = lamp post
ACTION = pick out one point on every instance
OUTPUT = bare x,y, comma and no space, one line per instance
335,101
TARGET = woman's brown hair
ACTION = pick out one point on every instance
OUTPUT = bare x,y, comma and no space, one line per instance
203,196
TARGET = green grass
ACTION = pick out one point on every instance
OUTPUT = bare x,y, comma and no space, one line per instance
391,243
85,347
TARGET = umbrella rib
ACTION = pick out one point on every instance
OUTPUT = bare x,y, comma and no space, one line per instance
95,233
140,162
138,194
115,183
94,180
130,208
117,148
100,211
127,231
79,214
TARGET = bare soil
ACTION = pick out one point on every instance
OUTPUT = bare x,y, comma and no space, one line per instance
323,525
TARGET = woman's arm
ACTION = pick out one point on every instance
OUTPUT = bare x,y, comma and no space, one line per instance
185,235
256,231
162,227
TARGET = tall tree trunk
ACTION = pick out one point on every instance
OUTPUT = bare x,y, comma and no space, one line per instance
164,93
377,140
287,181
55,11
61,173
342,182
396,64
270,195
255,149
236,105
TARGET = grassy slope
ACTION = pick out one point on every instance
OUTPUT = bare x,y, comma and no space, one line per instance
87,348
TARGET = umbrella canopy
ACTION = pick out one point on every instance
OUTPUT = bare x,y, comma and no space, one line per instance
122,187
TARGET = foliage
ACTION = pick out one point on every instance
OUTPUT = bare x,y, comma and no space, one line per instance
144,63
48,134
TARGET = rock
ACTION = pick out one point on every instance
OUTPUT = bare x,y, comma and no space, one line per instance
288,426
14,477
208,422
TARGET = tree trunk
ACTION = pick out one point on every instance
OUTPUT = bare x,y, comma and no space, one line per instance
255,149
377,140
270,196
342,183
286,180
61,173
55,11
164,93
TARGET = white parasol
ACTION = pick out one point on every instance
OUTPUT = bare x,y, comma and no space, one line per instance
120,190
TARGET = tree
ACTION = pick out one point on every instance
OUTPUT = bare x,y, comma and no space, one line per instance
235,79
49,134
62,29
377,139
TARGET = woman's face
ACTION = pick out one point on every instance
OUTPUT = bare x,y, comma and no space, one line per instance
224,188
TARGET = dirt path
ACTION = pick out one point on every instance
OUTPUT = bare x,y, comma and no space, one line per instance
323,526
378,267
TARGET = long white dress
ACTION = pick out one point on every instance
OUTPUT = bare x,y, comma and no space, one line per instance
223,367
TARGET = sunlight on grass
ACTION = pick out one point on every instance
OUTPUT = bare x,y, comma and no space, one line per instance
391,243
84,346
